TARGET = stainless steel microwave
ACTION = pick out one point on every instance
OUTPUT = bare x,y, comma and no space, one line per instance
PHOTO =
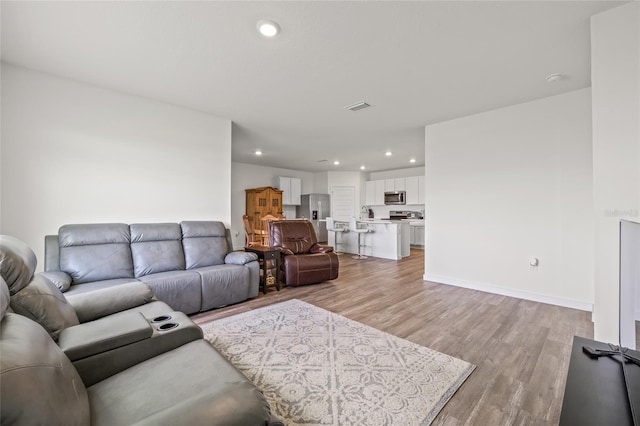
395,197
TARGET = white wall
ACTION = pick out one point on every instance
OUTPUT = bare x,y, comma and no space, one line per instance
75,153
321,182
245,176
397,173
615,76
509,184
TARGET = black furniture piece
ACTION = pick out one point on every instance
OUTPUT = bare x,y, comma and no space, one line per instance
595,393
269,259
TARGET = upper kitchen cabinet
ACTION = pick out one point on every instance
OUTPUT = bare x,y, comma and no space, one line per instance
291,190
389,185
415,189
370,193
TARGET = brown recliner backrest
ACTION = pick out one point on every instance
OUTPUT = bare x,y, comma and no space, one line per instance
298,236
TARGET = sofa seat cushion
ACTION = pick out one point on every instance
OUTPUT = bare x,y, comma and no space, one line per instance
179,289
154,392
224,285
310,268
95,285
91,305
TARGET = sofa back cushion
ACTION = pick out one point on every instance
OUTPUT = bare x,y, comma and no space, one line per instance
95,252
156,247
38,383
17,263
298,236
44,303
204,242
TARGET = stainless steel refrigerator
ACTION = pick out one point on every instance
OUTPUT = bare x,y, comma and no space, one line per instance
316,208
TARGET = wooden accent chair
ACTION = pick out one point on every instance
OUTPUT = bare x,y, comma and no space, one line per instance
254,237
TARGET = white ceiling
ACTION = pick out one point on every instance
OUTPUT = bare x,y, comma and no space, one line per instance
418,63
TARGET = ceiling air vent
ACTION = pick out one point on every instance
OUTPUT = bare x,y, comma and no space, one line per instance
358,106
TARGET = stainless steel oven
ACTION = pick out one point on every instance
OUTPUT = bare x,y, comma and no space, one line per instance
395,197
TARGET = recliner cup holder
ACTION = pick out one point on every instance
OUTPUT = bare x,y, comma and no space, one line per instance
161,318
168,326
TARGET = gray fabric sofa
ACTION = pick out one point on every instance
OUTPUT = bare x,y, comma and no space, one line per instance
190,265
187,382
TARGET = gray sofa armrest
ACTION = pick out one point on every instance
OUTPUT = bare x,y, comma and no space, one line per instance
105,334
96,304
60,279
240,257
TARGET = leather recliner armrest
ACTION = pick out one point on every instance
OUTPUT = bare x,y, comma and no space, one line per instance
105,334
240,257
60,279
99,303
320,248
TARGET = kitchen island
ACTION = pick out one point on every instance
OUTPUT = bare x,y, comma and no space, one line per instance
387,239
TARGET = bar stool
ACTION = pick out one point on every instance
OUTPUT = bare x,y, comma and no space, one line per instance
337,230
353,226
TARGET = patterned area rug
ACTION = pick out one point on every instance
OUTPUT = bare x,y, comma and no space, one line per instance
319,368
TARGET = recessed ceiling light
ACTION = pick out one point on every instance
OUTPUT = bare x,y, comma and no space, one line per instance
413,160
388,153
552,78
336,162
362,167
268,28
258,152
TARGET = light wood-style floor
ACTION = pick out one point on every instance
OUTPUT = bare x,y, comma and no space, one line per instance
521,348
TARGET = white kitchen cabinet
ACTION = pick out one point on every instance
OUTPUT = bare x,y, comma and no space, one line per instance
379,192
417,235
292,190
412,186
389,185
375,189
370,193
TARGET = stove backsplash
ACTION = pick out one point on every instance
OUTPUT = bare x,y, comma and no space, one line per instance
382,212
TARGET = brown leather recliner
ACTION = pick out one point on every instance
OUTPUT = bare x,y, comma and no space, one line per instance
304,261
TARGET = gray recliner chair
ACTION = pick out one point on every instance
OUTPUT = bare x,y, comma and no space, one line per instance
102,332
190,384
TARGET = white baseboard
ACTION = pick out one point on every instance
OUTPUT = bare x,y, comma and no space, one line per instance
520,294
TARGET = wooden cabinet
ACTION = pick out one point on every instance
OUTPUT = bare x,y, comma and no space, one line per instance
291,190
261,202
